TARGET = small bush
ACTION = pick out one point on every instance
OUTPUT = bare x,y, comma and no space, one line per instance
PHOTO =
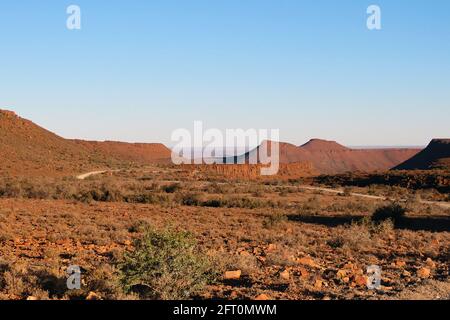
247,203
336,242
148,198
393,212
138,226
274,219
355,237
191,199
164,265
172,188
347,192
215,188
213,203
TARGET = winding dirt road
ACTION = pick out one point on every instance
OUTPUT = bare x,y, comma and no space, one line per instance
367,196
335,191
88,174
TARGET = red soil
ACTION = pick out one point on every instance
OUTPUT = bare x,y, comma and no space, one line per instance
27,149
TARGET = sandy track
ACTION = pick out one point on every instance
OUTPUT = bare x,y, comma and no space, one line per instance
367,196
88,174
335,191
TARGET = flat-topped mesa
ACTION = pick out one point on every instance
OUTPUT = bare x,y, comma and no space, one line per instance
135,152
440,142
329,157
323,145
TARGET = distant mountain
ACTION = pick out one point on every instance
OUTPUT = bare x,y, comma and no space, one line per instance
134,152
435,156
329,157
315,145
27,149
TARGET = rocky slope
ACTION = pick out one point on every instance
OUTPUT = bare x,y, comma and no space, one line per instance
27,149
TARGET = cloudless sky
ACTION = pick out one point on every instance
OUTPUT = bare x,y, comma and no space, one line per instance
137,70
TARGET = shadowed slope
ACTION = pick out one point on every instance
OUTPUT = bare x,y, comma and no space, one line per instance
435,156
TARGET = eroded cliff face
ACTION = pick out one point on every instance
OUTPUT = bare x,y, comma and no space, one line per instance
251,171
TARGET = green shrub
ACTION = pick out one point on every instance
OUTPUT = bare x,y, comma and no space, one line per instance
164,265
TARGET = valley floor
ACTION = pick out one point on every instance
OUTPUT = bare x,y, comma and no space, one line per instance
288,242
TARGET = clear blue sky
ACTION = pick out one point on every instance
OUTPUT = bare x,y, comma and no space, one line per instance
140,69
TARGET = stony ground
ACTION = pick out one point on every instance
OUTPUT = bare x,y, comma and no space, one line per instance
283,242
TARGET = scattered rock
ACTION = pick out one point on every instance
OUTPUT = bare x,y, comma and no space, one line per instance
431,263
93,296
271,247
32,298
424,273
233,275
400,263
306,261
261,259
318,284
341,274
262,297
244,253
303,272
361,281
285,275
349,266
406,274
